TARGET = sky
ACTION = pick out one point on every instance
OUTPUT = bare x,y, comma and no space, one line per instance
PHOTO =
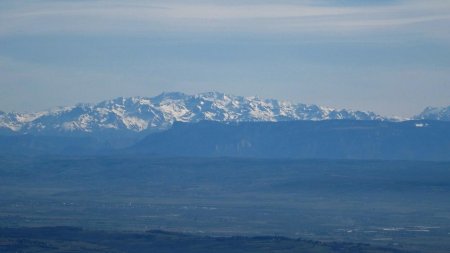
387,56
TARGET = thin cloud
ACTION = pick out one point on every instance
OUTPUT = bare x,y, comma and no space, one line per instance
116,17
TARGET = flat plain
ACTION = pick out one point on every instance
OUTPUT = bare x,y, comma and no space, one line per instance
398,204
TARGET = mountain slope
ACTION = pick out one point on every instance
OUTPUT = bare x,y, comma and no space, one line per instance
139,114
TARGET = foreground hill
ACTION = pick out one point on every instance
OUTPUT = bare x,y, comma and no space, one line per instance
339,139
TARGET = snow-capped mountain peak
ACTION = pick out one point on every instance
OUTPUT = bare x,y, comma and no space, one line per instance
435,113
138,114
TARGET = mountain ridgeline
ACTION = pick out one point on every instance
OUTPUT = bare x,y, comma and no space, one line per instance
435,113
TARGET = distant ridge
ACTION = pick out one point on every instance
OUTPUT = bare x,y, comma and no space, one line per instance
141,114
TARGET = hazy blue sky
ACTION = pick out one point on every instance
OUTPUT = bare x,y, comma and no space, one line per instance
391,57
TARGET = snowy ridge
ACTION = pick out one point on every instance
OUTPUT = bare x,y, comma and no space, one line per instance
435,113
137,114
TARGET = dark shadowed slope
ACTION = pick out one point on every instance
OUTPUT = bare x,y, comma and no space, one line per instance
341,139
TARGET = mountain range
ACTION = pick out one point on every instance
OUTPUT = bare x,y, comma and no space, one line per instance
147,114
139,114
